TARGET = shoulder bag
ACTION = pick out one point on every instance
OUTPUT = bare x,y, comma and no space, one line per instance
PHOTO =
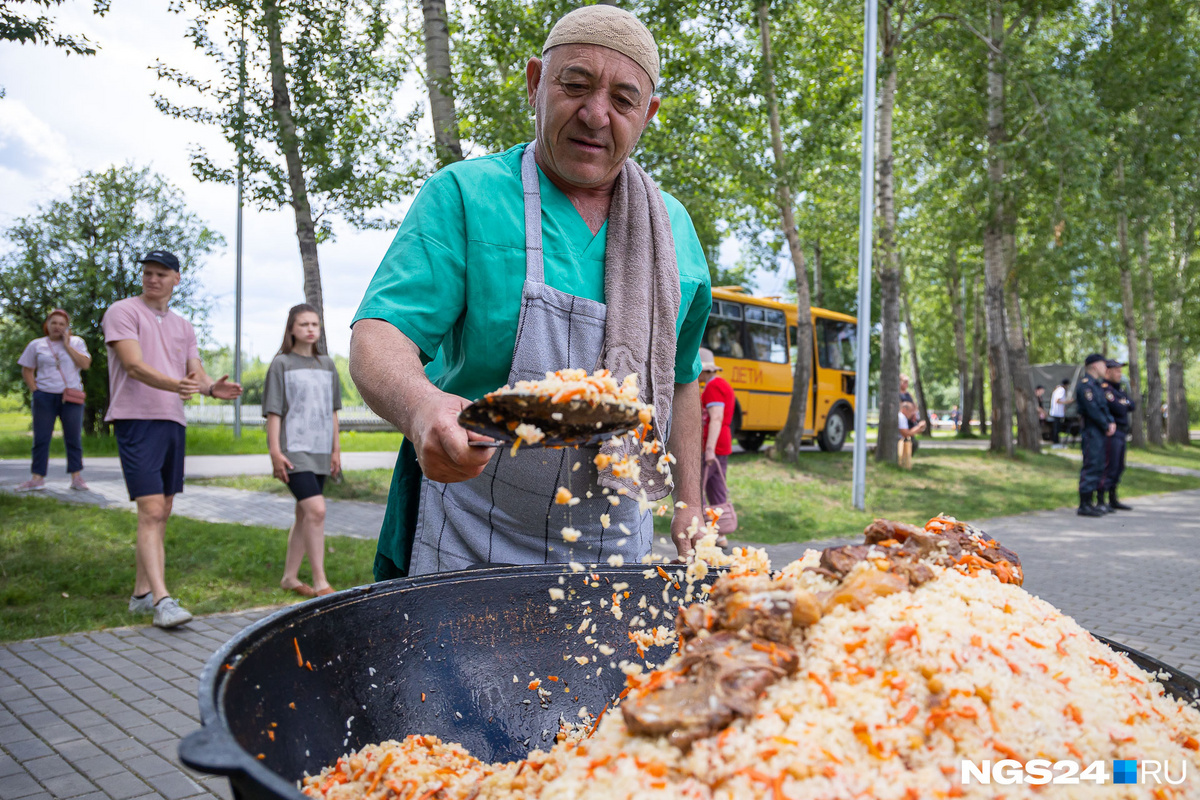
69,395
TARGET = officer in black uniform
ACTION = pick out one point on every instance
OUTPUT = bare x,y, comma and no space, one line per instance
1098,426
1119,405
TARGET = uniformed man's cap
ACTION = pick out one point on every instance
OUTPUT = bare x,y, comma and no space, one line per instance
1110,363
1093,358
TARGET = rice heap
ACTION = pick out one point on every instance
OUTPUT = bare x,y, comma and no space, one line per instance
869,671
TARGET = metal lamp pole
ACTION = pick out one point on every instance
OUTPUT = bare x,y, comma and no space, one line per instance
237,323
866,217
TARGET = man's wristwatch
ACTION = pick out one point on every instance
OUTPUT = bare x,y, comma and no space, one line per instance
211,386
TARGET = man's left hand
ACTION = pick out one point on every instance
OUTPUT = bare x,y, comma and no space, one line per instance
335,464
225,389
710,454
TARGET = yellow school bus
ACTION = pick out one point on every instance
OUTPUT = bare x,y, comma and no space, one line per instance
753,340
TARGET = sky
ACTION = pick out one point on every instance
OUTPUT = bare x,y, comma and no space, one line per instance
64,115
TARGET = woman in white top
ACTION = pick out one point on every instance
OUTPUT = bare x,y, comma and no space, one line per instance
51,366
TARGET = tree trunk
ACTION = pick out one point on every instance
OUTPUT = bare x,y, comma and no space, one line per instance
1134,374
789,439
889,270
922,407
1177,407
977,366
1154,391
818,293
1029,429
957,316
289,143
440,83
993,243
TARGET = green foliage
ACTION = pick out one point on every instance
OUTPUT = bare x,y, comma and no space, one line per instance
360,152
39,29
80,254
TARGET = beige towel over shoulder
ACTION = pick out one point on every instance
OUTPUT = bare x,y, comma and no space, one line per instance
641,290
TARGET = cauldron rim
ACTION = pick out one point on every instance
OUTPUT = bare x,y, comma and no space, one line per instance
214,749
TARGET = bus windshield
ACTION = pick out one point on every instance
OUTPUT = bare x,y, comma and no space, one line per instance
836,344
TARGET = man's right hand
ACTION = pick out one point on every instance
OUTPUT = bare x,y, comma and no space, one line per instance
442,445
188,386
1112,428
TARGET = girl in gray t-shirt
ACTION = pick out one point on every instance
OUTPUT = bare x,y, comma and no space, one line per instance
300,402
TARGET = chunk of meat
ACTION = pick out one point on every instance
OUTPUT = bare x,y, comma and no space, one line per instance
754,603
865,587
718,678
840,560
910,568
883,529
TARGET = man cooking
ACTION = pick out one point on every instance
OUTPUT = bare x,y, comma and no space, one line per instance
560,253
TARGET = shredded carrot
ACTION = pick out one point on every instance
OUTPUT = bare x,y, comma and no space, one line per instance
431,792
1190,743
383,764
1073,750
1073,713
662,573
1006,750
422,697
299,658
271,735
1062,651
904,633
829,696
910,716
308,665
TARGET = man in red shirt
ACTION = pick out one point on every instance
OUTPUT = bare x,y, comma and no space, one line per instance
717,401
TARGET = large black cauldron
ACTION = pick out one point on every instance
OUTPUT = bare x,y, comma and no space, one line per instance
434,655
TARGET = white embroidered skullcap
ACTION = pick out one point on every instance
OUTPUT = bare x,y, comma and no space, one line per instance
611,27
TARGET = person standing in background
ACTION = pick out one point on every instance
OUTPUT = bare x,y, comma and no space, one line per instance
153,366
1119,406
50,367
1058,409
1097,425
717,402
301,399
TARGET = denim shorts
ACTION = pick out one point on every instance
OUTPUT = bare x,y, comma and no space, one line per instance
151,455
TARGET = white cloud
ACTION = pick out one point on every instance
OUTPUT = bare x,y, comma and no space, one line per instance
64,115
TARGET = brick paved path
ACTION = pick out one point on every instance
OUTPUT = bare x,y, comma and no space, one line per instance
99,715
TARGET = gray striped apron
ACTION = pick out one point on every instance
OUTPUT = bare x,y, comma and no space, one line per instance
507,515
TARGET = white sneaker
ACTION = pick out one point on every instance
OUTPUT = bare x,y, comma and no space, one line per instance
143,604
169,614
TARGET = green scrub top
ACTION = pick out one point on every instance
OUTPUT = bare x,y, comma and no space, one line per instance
451,282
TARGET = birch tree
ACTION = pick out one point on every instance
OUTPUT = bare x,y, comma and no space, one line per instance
320,130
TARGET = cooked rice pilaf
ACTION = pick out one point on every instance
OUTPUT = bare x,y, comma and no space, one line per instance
892,691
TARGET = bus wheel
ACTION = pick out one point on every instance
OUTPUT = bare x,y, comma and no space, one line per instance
834,436
751,441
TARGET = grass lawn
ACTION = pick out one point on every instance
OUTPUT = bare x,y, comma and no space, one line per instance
784,503
15,440
1172,455
66,567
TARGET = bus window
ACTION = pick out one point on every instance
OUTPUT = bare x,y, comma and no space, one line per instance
766,333
724,332
836,344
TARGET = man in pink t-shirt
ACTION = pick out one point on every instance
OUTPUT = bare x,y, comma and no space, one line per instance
153,366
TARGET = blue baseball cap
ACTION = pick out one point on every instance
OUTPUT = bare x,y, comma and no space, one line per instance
168,260
1093,358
